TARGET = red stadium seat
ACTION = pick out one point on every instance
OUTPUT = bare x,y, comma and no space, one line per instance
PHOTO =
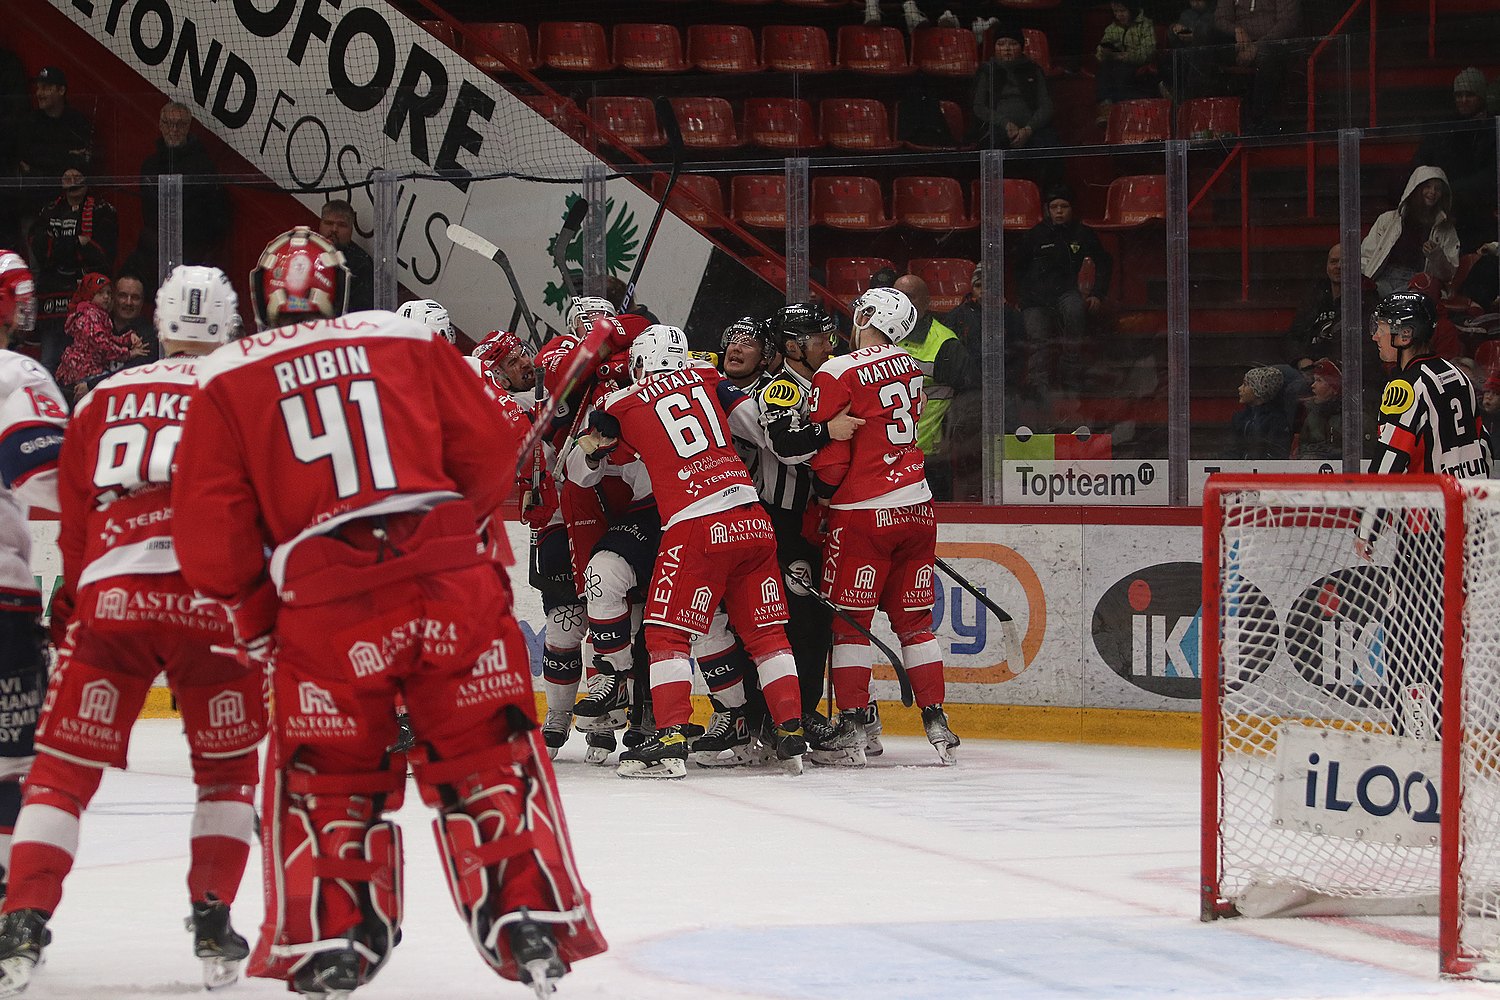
578,46
872,49
1208,118
847,277
856,123
945,51
561,112
1036,47
705,189
631,119
488,41
948,279
649,48
1134,201
929,203
442,31
772,270
1147,120
706,122
781,123
722,48
1022,201
759,200
795,48
849,203
1487,358
953,117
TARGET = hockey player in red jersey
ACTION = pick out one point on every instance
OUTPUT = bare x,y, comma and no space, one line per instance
340,488
129,615
717,543
882,534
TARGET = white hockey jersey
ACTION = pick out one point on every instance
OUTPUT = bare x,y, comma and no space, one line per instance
32,418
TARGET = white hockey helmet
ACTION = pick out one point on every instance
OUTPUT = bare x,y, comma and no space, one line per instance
886,310
430,313
197,305
584,307
658,348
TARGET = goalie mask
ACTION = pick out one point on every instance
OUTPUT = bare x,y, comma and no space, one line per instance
197,305
886,311
503,359
584,308
430,313
17,292
658,348
301,276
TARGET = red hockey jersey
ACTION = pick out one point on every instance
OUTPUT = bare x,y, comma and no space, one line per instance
881,466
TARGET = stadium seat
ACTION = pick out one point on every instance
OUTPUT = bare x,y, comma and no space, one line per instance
856,123
1208,118
1147,120
795,48
632,120
577,46
1029,4
948,279
872,49
706,122
1487,358
953,117
772,270
561,112
1038,49
847,277
945,51
929,203
1022,201
442,31
781,123
649,48
849,203
722,48
759,200
1133,201
704,188
499,38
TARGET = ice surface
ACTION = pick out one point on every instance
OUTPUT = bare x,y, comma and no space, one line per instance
1028,871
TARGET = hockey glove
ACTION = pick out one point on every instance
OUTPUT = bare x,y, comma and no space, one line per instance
539,504
256,654
815,524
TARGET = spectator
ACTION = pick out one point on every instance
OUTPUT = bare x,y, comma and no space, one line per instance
1446,341
1416,237
883,278
1048,263
1189,61
1320,429
76,234
205,210
15,105
1012,106
336,224
1260,427
944,364
56,135
1259,29
95,349
1127,57
966,418
615,292
1489,410
1315,330
131,316
1467,158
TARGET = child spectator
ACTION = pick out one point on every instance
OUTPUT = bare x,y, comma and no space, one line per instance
95,348
1321,428
1012,106
1489,410
1127,57
1414,238
1261,428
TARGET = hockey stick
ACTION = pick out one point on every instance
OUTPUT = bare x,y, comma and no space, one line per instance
565,238
1013,652
470,240
901,677
668,119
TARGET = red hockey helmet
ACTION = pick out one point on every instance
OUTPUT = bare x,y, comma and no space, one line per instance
17,292
493,353
300,276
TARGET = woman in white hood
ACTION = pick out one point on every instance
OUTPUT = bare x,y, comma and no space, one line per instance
1415,237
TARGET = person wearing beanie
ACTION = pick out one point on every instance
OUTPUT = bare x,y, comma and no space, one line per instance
1012,105
1260,426
94,349
1466,156
1320,429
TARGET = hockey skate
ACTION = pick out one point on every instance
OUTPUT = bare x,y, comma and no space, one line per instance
935,721
662,756
790,745
642,722
405,738
870,719
216,942
725,742
841,744
330,975
23,935
535,951
604,707
599,747
555,730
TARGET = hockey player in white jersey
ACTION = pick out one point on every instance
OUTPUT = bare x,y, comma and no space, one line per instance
430,313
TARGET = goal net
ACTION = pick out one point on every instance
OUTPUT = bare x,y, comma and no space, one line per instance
1351,703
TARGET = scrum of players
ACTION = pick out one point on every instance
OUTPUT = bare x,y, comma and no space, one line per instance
303,529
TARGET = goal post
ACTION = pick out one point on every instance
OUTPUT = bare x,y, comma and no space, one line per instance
1351,703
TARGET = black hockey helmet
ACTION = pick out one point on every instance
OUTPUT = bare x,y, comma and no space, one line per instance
758,330
1410,310
801,320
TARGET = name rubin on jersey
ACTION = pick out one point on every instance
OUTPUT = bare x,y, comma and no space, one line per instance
321,366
